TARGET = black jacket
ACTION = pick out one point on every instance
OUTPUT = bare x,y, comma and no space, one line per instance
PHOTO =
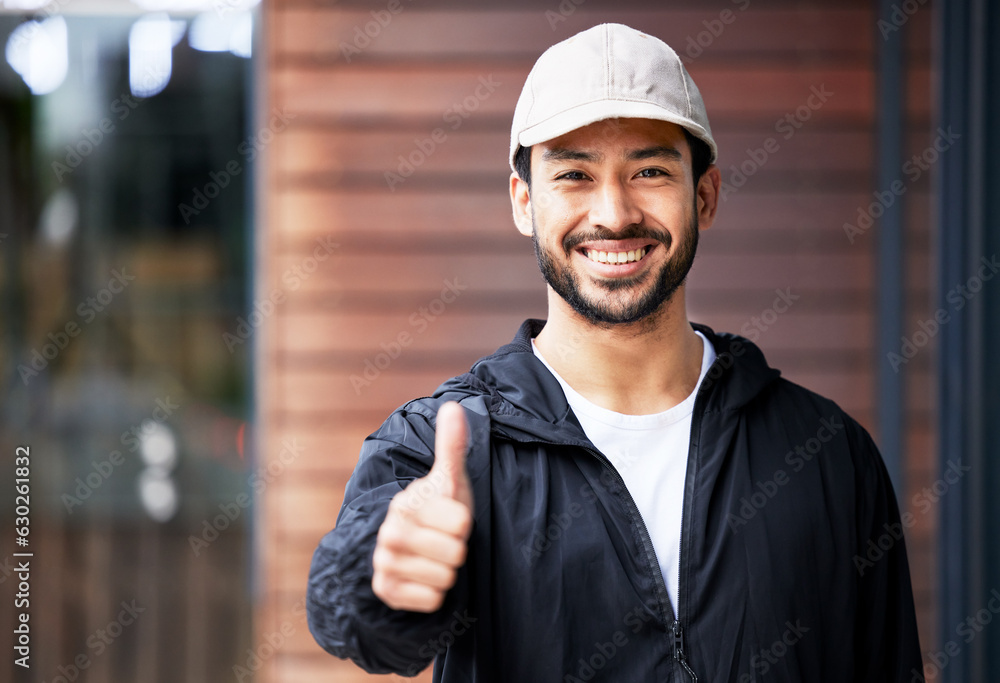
792,567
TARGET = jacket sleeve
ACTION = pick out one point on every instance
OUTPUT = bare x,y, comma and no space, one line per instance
345,617
886,642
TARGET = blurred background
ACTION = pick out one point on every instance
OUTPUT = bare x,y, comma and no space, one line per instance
235,236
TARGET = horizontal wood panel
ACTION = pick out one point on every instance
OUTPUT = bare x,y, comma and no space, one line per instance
319,33
921,455
448,96
855,392
369,335
331,452
329,391
307,510
438,91
302,644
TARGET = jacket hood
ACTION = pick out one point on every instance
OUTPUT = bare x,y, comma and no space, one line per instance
528,403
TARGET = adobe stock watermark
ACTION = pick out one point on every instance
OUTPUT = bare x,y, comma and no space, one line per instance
966,631
292,278
590,665
765,490
365,35
258,482
459,625
98,643
923,501
30,28
423,489
958,296
220,180
562,13
752,330
454,116
759,324
103,469
787,126
913,169
91,138
764,660
419,320
87,311
559,522
714,28
898,17
224,7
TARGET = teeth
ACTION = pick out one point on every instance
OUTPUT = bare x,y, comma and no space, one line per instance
616,256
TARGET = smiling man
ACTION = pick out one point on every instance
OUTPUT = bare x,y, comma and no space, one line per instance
618,494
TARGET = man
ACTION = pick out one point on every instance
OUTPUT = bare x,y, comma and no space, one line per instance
618,494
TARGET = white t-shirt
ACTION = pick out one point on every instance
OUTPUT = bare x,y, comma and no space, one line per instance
650,452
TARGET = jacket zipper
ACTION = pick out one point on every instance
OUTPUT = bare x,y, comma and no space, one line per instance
677,630
679,655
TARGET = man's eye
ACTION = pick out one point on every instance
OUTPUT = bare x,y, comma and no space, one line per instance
572,175
651,173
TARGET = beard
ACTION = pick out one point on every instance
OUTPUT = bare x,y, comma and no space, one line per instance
615,306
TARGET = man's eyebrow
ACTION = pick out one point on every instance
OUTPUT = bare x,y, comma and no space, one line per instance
657,152
564,154
661,151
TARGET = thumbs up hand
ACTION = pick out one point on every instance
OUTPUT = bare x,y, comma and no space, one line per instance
423,541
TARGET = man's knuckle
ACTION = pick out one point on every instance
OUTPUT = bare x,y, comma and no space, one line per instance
381,558
392,536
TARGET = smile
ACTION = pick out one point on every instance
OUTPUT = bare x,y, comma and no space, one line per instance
616,256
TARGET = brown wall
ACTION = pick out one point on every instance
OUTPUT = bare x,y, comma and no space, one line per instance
355,113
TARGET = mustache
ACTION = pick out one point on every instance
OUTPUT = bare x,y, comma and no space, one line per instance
634,231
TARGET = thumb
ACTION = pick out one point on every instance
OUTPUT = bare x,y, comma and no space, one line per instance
451,442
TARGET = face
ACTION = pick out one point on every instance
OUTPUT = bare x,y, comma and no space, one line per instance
614,215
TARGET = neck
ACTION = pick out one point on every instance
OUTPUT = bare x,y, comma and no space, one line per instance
636,369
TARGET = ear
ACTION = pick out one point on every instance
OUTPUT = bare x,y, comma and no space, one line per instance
708,196
520,202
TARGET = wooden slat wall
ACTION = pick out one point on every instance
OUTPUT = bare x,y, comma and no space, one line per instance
450,221
193,618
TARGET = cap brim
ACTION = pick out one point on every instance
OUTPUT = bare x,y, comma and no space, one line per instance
601,110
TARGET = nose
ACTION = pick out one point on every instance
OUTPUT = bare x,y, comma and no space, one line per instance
613,207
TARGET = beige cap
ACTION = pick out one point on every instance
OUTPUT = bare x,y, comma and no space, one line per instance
608,71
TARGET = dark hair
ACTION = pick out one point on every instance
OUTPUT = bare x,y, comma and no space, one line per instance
701,158
701,155
522,164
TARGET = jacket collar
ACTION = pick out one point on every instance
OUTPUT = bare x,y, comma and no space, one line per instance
525,398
